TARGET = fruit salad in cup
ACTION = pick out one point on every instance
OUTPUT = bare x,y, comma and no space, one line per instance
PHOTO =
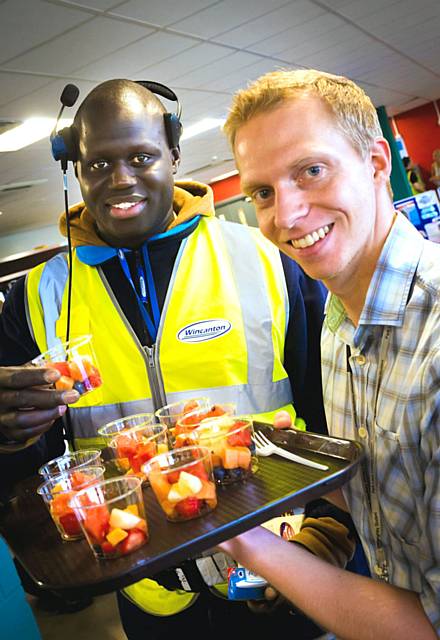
182,482
187,423
112,516
229,439
72,460
57,492
133,441
76,362
171,413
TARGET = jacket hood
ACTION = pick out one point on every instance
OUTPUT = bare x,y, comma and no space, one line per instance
190,199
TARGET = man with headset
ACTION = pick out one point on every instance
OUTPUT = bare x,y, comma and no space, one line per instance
149,258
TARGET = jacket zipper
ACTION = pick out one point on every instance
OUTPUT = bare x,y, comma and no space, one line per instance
154,377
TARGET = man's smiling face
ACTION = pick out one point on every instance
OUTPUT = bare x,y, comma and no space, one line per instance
315,195
125,170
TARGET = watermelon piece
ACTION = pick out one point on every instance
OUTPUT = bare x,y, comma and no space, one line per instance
97,523
70,524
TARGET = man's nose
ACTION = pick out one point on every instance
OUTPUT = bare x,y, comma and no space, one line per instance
290,205
123,176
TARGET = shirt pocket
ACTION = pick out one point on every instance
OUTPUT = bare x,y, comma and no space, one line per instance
395,488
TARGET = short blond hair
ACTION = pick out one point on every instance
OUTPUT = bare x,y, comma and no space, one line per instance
353,110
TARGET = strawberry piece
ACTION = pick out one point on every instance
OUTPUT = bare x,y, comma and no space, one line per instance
95,380
70,524
107,548
135,539
241,438
189,507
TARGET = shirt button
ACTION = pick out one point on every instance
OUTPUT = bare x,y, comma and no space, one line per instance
361,359
363,433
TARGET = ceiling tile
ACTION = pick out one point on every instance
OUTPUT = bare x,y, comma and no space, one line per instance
134,58
226,15
17,85
278,20
98,37
218,69
173,70
163,13
17,20
300,32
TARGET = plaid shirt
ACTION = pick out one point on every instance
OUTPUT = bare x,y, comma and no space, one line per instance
403,298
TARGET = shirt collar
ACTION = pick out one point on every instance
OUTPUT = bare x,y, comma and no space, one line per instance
93,255
390,285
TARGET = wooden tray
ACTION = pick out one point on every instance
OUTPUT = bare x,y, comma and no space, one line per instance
278,486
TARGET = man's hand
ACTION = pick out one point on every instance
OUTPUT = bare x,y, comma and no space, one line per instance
28,403
272,600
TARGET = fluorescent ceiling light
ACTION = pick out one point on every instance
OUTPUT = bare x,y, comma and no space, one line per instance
200,127
29,132
223,176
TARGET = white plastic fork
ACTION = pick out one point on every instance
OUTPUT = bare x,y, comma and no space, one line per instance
264,447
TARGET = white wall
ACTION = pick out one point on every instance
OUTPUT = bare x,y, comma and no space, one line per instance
29,239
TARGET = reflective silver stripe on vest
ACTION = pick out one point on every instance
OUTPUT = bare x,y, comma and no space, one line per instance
51,288
87,420
249,398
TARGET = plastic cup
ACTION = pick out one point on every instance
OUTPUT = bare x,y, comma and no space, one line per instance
183,483
229,439
187,423
112,516
74,460
134,440
57,492
76,361
171,413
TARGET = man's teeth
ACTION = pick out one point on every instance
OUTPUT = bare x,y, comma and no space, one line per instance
124,205
310,238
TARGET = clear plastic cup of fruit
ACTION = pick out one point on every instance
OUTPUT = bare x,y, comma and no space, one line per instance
134,440
74,460
112,516
171,413
229,439
76,361
57,492
187,423
183,483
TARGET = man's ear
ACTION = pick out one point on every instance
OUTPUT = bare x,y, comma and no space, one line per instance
380,155
175,158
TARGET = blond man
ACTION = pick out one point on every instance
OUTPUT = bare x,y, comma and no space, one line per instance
312,157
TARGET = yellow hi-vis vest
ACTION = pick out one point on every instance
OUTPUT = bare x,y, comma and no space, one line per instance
221,334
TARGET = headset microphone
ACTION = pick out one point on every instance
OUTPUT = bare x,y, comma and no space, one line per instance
61,142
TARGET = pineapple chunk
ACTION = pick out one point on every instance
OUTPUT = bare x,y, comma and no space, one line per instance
132,508
116,536
189,483
120,519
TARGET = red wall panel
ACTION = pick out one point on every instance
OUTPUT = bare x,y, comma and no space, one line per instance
227,188
421,133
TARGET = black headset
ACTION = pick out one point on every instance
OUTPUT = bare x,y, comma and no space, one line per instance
65,142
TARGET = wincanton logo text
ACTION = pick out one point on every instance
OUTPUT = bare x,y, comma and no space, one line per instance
204,330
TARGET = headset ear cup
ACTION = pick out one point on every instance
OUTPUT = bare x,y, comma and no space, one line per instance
173,129
70,141
64,145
